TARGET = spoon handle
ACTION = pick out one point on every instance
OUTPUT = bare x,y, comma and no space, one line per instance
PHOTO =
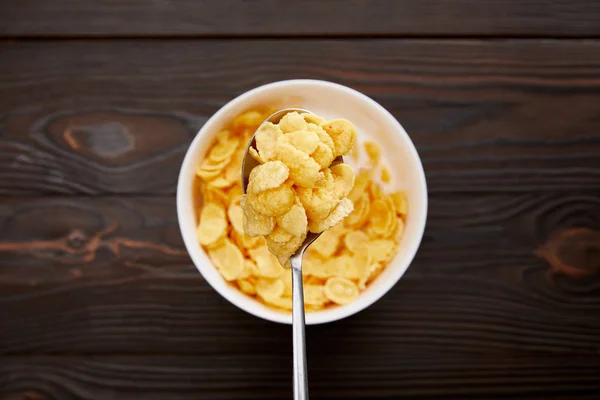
300,375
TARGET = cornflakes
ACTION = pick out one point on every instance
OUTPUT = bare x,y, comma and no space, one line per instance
343,134
373,152
304,170
269,289
341,290
236,217
267,265
305,141
228,259
256,224
266,140
272,202
400,203
313,119
300,188
269,175
386,177
294,221
341,211
356,240
213,224
345,258
293,122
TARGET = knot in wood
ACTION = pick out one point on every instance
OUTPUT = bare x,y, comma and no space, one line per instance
574,252
77,239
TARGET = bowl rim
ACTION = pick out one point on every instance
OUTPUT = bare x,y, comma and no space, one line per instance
254,307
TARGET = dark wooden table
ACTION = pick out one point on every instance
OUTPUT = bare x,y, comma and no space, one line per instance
99,101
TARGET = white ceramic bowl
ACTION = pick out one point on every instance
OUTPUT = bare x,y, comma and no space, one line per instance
329,100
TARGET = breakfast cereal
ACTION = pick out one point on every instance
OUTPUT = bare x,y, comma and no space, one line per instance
300,192
344,259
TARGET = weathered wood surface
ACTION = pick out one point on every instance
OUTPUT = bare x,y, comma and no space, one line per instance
98,297
410,375
116,117
205,18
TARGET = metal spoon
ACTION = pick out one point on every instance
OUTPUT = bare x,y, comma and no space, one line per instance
300,375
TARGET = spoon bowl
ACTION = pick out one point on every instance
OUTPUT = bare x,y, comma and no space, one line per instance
250,163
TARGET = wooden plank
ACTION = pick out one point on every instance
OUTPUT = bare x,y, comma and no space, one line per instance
69,284
116,117
271,17
334,376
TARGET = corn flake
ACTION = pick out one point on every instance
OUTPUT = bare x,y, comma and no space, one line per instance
223,150
249,269
294,221
326,269
284,250
272,202
267,265
341,211
233,195
210,194
247,286
343,134
304,170
351,268
381,250
255,224
254,153
360,185
228,259
286,278
399,230
266,138
236,217
373,152
213,224
314,295
284,303
318,202
343,178
246,242
369,274
252,118
355,153
279,235
305,141
208,170
386,177
220,183
383,218
360,215
269,175
340,290
269,289
356,240
374,190
327,244
313,119
292,122
400,202
323,136
323,155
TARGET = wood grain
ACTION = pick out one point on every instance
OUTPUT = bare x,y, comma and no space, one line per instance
110,275
410,376
205,18
109,117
